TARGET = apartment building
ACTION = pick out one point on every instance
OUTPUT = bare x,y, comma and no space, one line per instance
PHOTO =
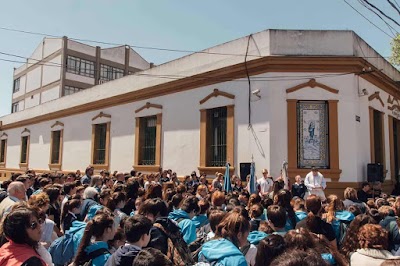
59,67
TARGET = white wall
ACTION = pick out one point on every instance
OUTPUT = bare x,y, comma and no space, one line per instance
52,71
137,61
50,94
33,100
51,45
79,78
115,54
37,54
33,79
80,47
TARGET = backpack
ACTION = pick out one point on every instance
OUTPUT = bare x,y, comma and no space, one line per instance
195,246
342,231
88,261
62,249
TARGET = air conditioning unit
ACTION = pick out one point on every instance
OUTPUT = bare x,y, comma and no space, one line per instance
101,81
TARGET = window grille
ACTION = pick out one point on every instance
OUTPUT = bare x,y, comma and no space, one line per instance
3,150
108,73
148,132
16,85
100,144
216,136
68,90
80,66
56,145
24,149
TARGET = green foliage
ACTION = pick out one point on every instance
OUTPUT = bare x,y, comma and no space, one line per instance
395,57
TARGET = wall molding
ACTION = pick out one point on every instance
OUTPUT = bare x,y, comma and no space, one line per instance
57,123
376,95
4,135
147,106
26,131
100,115
312,83
217,93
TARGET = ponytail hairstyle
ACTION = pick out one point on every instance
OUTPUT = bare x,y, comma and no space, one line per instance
116,198
314,206
94,228
334,204
69,206
283,198
233,224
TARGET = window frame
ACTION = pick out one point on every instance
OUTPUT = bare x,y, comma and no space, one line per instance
79,66
14,110
16,81
71,88
56,165
372,112
105,165
334,171
230,139
111,73
3,145
26,163
138,131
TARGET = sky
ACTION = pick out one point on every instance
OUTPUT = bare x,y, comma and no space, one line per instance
173,24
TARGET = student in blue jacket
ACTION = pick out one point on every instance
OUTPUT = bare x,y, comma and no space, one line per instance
231,234
94,241
183,216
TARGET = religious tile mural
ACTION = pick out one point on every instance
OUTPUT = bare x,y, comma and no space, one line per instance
313,130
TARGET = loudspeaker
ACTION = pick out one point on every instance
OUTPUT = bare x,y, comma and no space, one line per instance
244,170
375,172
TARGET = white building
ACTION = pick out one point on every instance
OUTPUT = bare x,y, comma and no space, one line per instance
326,98
60,67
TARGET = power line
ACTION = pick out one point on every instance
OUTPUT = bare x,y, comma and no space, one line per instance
367,19
384,21
394,6
380,11
119,44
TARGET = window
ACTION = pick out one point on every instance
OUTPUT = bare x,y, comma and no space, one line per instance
80,66
3,151
56,138
24,150
108,73
312,134
16,85
377,137
68,90
148,132
14,107
216,136
100,144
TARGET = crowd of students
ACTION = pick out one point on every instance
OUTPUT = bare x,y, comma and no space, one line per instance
156,219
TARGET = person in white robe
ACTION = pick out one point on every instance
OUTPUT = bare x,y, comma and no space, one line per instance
315,183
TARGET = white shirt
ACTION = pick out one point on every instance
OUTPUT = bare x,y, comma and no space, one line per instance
312,181
265,184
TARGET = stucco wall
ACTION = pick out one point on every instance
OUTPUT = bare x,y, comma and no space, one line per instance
115,54
33,79
50,94
52,71
80,47
79,78
51,45
32,100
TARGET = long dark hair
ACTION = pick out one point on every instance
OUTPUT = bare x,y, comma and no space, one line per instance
116,197
313,206
283,199
269,248
16,223
94,228
68,206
